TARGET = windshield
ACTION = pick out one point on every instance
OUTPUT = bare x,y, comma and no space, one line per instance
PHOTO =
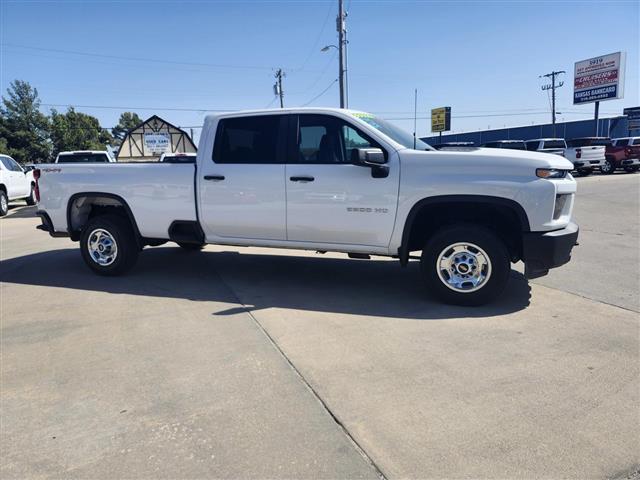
82,158
394,133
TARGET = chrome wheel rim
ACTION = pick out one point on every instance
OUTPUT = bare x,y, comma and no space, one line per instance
463,267
607,166
3,203
102,247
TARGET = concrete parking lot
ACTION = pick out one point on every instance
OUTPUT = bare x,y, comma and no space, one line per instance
262,363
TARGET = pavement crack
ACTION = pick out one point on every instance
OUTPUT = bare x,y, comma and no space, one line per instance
304,381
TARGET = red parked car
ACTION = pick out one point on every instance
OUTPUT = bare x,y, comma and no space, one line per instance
622,153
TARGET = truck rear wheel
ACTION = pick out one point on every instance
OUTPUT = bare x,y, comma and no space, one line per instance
31,199
108,245
465,265
607,167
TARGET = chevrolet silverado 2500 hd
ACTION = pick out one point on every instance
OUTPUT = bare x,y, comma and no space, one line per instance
326,180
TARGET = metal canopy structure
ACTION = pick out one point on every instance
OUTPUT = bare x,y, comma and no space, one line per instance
152,138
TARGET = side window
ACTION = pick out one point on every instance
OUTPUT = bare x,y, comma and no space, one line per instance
327,139
250,140
636,141
319,140
532,145
353,140
11,164
5,163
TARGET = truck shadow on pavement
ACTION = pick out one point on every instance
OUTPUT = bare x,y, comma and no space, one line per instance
257,281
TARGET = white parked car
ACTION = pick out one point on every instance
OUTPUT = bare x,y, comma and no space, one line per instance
586,154
85,156
15,184
556,146
178,157
327,180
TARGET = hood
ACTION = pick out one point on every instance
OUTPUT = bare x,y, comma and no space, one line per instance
498,157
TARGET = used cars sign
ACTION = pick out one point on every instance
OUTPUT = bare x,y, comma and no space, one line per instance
599,78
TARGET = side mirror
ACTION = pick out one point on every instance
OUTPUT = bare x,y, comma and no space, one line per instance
368,157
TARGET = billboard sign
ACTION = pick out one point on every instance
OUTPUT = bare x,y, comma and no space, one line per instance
441,119
599,78
157,142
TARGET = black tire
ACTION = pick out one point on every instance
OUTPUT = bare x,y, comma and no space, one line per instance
31,199
4,203
119,229
631,169
499,265
585,172
607,167
191,247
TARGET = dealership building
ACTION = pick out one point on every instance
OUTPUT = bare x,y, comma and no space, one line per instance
613,127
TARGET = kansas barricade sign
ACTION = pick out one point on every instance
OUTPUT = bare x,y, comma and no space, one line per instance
599,78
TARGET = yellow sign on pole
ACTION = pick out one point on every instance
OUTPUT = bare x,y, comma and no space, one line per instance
441,119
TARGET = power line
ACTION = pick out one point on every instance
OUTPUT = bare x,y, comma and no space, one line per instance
315,44
138,59
320,94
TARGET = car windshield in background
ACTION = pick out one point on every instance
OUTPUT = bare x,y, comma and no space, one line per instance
394,133
83,158
554,144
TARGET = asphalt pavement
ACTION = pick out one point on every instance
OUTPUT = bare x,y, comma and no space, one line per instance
264,363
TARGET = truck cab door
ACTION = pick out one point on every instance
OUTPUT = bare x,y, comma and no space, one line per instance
241,183
331,200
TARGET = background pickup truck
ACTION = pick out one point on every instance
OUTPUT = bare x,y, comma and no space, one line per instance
16,183
326,180
547,145
622,153
586,154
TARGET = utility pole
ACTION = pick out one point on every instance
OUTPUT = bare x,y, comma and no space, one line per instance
552,86
342,43
277,87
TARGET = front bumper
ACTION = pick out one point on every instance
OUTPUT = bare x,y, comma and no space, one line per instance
544,250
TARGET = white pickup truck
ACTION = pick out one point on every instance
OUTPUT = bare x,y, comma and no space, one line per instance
326,180
585,154
16,183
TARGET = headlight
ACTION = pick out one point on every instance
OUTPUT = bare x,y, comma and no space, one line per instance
551,173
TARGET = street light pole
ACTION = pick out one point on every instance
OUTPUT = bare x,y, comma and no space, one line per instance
340,26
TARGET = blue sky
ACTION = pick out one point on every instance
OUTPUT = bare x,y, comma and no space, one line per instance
183,58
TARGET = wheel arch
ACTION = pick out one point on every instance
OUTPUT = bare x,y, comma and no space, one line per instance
88,204
431,213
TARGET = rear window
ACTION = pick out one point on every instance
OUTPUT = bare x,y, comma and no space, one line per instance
589,142
532,145
250,140
636,141
554,144
83,158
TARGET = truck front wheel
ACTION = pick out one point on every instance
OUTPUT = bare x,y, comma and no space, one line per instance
108,245
465,265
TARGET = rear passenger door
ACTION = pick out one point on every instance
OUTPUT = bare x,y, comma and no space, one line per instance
242,191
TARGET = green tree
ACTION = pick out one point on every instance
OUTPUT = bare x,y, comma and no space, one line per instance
128,120
24,129
77,131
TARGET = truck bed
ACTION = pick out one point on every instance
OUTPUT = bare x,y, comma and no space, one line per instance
156,193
